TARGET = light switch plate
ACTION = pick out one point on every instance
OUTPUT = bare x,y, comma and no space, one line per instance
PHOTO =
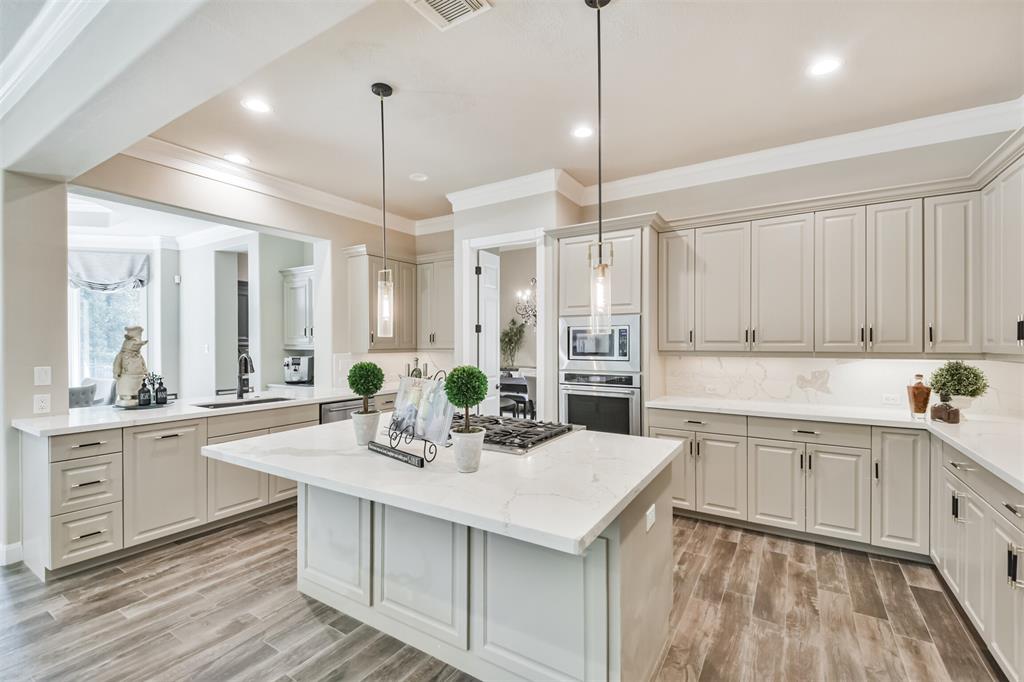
41,403
890,399
43,375
650,517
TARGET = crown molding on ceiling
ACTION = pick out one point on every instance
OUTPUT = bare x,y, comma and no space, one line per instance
955,125
49,34
204,165
542,182
442,223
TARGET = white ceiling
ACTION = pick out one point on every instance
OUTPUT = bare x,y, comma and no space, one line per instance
15,18
95,217
685,82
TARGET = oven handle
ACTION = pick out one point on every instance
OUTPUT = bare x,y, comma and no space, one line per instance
593,390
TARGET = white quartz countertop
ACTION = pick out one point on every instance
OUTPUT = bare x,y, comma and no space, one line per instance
562,495
108,417
996,443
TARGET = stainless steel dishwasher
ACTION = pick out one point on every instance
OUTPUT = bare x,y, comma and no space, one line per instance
339,411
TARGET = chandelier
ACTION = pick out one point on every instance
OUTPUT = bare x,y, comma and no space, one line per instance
526,303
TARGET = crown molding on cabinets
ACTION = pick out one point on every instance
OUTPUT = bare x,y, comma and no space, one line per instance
434,257
551,180
652,219
1003,155
955,125
207,166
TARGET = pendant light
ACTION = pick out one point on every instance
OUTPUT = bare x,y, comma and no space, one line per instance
600,253
385,277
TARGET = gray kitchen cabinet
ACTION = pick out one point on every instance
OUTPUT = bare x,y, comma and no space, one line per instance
164,480
574,272
840,266
895,281
676,285
233,489
721,475
952,273
684,466
782,284
404,315
297,311
839,492
899,498
723,288
1003,248
1005,593
775,483
435,291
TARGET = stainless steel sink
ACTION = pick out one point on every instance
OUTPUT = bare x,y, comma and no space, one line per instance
239,403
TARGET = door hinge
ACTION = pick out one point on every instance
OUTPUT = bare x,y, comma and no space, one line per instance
478,328
478,270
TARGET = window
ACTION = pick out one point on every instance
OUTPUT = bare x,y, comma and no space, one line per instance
96,322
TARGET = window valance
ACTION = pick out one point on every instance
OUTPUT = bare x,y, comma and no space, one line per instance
108,271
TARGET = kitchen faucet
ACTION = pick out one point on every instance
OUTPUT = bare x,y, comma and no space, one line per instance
245,368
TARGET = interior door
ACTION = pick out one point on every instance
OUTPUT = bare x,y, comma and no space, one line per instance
489,318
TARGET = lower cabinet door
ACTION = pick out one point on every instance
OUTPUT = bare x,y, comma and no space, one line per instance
899,494
972,541
283,488
1006,598
684,467
334,543
936,511
838,492
164,480
722,475
775,483
951,540
233,489
421,572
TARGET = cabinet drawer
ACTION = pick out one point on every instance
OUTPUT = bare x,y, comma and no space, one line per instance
704,422
263,419
805,431
87,444
1000,495
85,534
83,483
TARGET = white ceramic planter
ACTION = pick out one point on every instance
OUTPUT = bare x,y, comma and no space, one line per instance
365,426
467,449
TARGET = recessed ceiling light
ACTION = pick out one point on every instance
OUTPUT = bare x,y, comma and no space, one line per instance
260,106
824,66
237,158
582,131
419,177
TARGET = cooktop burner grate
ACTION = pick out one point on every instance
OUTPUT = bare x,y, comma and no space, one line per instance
515,435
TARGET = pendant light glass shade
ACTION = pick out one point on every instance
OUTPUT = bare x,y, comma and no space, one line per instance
600,257
385,304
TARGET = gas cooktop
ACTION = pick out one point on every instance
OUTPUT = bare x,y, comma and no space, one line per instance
517,436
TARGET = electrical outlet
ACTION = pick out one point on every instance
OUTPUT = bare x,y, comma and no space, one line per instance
650,517
890,399
43,375
41,403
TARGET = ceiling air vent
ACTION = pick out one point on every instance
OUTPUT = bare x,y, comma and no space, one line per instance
447,13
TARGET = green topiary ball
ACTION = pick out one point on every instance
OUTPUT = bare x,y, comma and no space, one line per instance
465,386
959,378
365,379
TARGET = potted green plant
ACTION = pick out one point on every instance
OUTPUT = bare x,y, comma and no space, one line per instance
466,387
952,379
365,379
511,341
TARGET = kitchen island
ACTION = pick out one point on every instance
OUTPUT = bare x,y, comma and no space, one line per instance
552,565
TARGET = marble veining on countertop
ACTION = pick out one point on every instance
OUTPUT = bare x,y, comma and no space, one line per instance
995,442
109,417
561,495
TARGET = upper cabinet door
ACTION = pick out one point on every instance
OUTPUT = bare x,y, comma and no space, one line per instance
782,284
405,305
676,281
895,279
839,271
1003,237
296,313
442,309
425,308
377,342
574,272
723,288
952,273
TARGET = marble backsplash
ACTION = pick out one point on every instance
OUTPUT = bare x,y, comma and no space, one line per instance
393,364
832,381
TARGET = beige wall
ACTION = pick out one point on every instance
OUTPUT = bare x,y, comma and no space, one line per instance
435,243
33,284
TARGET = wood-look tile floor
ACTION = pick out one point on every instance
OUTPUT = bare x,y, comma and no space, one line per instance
751,606
221,606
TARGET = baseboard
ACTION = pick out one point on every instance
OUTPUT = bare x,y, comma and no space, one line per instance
10,554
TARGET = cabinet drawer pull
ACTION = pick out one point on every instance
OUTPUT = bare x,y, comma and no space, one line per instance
82,485
808,433
695,421
169,435
960,466
1013,576
88,445
1015,509
89,535
958,508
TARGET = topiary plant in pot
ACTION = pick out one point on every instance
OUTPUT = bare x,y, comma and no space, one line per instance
365,379
956,378
466,387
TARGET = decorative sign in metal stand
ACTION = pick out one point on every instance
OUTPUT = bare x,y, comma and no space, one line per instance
406,436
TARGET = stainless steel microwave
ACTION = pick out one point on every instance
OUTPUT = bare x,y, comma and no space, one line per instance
616,349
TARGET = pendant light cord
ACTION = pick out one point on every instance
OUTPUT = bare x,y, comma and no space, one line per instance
383,189
600,195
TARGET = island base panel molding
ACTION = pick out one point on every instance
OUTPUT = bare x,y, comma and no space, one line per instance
496,607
